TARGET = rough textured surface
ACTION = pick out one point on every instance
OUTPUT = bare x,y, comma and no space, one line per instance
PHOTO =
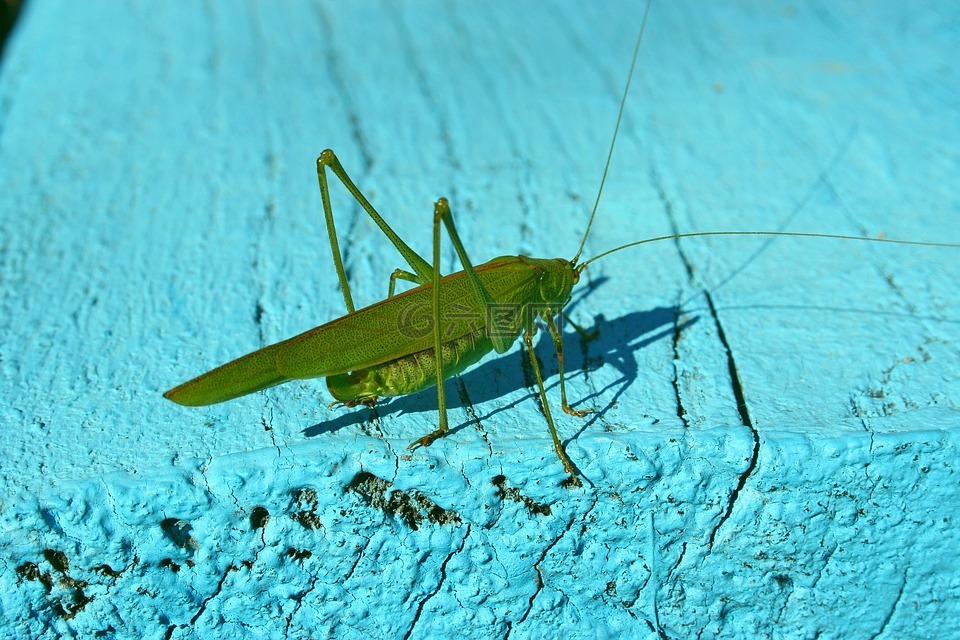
776,436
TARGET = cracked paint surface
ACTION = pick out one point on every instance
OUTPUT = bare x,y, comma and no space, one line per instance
605,560
775,435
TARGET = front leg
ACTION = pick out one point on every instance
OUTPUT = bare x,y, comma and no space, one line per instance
558,345
573,481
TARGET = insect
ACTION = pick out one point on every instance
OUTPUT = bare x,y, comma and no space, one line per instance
412,340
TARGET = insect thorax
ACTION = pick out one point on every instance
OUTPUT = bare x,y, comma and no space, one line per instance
556,281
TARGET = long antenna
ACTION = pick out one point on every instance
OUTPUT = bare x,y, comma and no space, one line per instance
616,129
831,236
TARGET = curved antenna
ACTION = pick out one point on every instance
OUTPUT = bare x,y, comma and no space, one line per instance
830,236
616,129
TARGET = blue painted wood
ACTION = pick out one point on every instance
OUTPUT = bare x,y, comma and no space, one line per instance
160,216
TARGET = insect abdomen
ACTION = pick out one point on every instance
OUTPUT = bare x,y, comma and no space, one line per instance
410,373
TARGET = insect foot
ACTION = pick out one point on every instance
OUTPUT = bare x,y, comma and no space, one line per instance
572,480
428,439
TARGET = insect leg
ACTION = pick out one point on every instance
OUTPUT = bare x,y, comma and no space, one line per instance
332,234
440,210
400,274
558,345
423,271
501,341
561,451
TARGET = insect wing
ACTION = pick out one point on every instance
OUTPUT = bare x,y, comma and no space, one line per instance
403,325
252,372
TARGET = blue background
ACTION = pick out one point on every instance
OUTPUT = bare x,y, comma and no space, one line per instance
160,216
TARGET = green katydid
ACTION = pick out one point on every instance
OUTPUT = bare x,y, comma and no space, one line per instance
390,348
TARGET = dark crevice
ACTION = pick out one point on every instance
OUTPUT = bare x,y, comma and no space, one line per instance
678,326
536,566
298,598
203,605
741,482
893,609
744,417
543,556
731,366
736,384
688,267
440,583
657,183
683,552
361,551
